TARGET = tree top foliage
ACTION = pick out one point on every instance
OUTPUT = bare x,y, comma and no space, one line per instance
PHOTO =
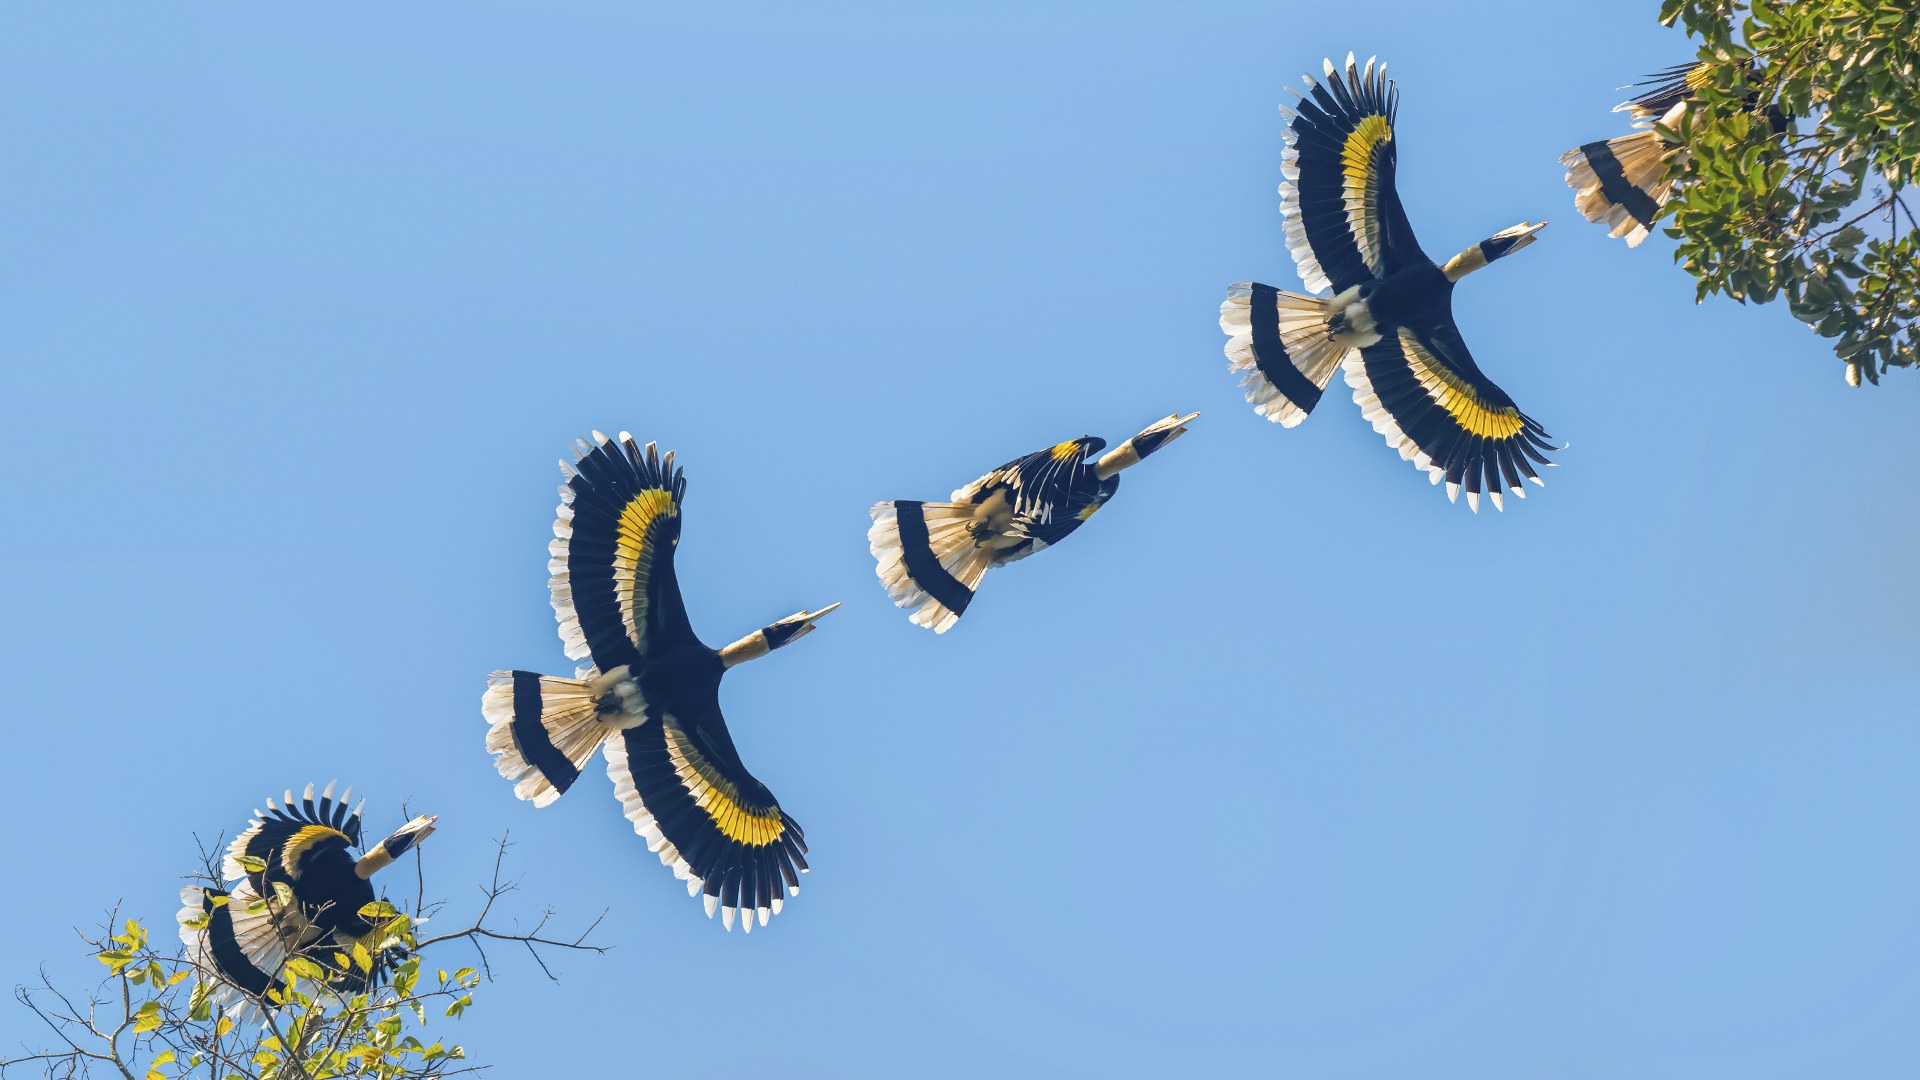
158,1014
1809,101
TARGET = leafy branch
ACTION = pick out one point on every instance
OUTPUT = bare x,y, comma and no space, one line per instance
159,1010
1807,102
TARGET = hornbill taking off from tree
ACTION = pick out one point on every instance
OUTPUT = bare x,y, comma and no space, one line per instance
245,935
933,555
1624,182
1389,320
652,692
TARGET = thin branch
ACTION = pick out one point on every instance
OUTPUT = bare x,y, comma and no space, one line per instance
494,890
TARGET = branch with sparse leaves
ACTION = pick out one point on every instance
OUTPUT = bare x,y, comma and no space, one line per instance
1808,101
158,1010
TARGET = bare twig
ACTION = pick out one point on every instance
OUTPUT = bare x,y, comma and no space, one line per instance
494,890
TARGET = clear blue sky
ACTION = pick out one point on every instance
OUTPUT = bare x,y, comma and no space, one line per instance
1282,766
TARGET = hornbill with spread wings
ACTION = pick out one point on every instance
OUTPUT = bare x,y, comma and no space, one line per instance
1389,321
246,934
651,692
932,555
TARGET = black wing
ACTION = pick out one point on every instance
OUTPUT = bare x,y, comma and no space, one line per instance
1423,391
1048,491
283,836
1344,220
686,792
614,590
1669,88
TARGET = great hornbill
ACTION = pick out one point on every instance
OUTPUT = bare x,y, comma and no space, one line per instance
933,555
1389,321
1623,183
652,692
246,934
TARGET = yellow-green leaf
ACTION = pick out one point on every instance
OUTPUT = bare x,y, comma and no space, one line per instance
147,1017
252,864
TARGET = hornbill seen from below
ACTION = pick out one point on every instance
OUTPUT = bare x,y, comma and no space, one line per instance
247,933
933,555
1389,321
651,693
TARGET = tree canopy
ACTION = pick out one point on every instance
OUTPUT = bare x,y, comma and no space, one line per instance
1761,212
158,1013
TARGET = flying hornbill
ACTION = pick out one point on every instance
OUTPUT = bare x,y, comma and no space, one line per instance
246,934
652,692
933,555
1624,182
1389,320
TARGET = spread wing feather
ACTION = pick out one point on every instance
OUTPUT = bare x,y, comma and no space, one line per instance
1345,224
1426,395
614,590
684,788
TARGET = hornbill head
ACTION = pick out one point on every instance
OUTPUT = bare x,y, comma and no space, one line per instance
1498,246
766,639
1508,241
394,846
1158,434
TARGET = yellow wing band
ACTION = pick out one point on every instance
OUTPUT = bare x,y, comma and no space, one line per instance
718,797
1451,393
633,559
1363,185
1066,451
299,842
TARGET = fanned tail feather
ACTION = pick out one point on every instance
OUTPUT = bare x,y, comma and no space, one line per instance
935,567
240,952
1621,183
1294,334
544,728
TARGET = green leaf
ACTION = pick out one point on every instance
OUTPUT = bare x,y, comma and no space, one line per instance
165,1057
361,958
252,864
147,1017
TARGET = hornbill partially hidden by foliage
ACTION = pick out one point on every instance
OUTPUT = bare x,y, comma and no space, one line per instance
1389,321
933,555
651,694
1623,183
301,892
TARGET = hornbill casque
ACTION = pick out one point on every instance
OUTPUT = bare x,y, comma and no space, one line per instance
246,934
1389,319
1623,183
933,555
651,694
